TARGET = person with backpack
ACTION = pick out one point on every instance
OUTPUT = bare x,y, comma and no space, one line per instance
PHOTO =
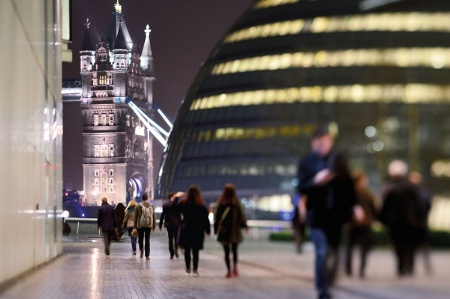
229,221
145,221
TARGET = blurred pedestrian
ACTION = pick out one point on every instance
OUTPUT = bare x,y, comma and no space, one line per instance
327,188
119,210
360,229
229,220
298,223
195,225
106,221
170,219
128,222
402,213
145,222
426,199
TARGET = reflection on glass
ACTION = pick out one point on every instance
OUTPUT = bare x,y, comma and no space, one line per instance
269,3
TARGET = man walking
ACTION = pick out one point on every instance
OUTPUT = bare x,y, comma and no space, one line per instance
326,186
145,222
106,220
170,219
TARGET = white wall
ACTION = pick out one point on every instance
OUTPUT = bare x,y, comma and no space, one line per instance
30,135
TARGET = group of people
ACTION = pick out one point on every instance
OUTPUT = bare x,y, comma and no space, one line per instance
185,217
332,197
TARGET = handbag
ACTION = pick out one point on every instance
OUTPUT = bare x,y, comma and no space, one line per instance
134,233
224,215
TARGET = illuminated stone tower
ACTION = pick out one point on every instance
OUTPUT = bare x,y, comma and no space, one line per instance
117,155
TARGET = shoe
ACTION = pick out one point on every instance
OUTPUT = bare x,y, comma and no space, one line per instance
195,274
325,296
134,253
188,271
229,275
176,254
235,271
171,257
148,258
142,254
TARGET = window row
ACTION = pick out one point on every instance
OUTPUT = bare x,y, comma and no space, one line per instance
400,57
109,173
269,3
103,119
104,150
394,22
408,93
255,133
102,79
104,189
244,169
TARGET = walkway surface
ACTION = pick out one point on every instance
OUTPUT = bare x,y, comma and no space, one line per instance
268,270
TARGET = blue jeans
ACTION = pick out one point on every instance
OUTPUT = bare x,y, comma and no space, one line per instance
321,248
133,239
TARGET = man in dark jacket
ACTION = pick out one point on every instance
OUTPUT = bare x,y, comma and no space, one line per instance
170,219
106,220
326,186
403,215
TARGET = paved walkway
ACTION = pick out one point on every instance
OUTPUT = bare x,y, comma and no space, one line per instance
268,270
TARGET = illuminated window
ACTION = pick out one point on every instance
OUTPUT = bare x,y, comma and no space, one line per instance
103,119
96,173
128,123
111,172
96,119
111,181
96,181
111,119
111,150
111,189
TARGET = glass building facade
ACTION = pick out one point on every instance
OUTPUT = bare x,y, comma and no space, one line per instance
378,71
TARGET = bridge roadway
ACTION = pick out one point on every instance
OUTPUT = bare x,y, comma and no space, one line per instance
268,270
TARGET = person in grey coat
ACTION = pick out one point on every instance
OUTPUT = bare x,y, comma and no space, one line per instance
106,220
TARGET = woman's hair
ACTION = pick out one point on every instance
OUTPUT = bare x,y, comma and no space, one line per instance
132,203
194,196
228,196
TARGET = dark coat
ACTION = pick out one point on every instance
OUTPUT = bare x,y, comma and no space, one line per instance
328,206
230,227
106,218
403,213
195,224
169,216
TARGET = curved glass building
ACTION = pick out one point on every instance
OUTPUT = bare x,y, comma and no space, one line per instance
378,71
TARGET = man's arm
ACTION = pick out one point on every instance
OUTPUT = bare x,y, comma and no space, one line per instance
161,218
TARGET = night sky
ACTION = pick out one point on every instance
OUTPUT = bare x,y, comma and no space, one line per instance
184,32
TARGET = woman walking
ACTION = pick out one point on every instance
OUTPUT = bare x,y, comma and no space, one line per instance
228,222
128,222
193,228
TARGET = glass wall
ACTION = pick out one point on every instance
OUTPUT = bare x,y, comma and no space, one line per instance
30,135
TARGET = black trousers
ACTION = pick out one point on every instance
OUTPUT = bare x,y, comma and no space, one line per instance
195,257
144,234
234,249
172,234
362,236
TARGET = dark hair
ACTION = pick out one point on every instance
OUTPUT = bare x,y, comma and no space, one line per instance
228,196
171,194
144,196
320,131
194,196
